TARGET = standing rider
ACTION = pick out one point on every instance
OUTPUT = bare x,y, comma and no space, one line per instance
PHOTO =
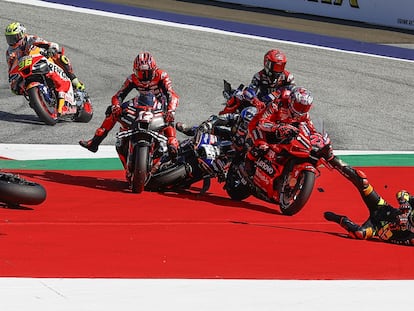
147,78
19,44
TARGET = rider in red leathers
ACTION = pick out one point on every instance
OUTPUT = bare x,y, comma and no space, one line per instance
147,78
270,79
279,122
264,84
20,42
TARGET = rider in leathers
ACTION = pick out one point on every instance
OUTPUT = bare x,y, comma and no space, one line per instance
147,78
20,42
264,84
279,122
270,79
385,222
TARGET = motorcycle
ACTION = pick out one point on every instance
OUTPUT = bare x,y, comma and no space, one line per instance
144,117
200,157
285,175
29,74
15,190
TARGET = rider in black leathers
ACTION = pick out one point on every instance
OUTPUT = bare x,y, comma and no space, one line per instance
385,222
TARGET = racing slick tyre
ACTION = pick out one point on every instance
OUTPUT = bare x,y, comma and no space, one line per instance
15,190
140,174
234,187
45,112
293,198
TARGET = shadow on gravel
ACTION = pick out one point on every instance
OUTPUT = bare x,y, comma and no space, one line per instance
20,118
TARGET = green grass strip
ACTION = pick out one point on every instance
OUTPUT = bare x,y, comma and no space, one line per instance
103,164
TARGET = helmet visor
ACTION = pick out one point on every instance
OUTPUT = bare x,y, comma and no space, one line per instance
145,75
300,108
13,39
274,67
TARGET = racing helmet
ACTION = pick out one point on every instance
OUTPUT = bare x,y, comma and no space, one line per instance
403,198
274,63
300,101
144,66
14,33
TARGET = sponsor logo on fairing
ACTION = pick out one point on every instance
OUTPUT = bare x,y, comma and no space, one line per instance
266,167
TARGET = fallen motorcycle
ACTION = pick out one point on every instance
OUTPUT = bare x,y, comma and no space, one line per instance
29,73
15,190
200,158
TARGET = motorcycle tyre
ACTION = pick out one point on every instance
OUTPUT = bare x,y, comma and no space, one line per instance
140,174
37,102
170,177
15,190
303,196
85,113
238,193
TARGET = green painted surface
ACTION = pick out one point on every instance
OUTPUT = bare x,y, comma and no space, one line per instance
64,164
115,164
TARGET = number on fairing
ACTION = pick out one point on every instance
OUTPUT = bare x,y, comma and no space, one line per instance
145,116
26,61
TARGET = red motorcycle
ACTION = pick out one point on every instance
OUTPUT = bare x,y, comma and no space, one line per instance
285,175
29,73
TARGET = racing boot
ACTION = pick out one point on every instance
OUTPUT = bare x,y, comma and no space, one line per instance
93,144
173,148
172,143
342,220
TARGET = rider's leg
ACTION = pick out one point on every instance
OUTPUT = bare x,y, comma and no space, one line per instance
101,132
171,134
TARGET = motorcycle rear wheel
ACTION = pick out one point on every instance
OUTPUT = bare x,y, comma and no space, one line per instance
85,113
15,190
140,174
38,103
293,199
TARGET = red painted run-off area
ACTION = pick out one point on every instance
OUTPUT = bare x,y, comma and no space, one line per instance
90,226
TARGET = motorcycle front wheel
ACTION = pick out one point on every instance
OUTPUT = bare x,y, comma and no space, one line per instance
15,190
234,187
294,197
140,173
45,112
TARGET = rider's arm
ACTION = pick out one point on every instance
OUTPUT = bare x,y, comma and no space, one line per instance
40,42
170,94
126,88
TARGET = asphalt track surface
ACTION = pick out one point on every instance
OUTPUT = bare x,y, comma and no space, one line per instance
364,101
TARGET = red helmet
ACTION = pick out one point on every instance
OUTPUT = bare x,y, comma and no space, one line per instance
144,66
274,63
300,101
